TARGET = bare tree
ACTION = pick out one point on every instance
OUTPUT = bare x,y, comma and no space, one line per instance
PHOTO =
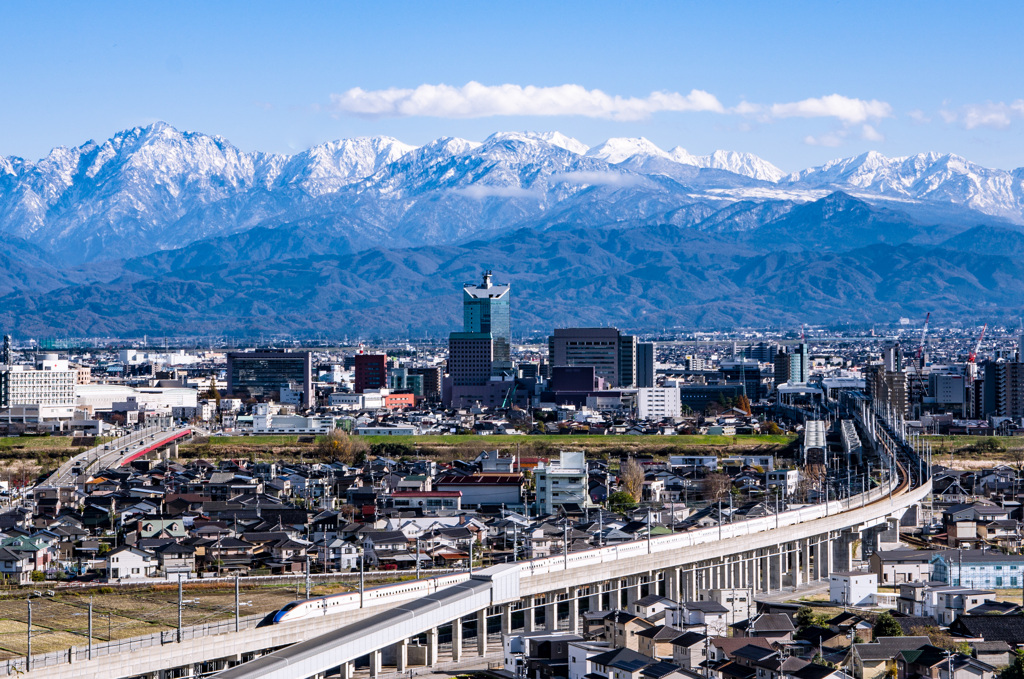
717,486
632,478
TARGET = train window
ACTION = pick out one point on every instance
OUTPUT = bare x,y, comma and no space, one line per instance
290,606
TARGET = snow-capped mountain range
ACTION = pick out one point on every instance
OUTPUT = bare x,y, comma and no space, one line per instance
156,188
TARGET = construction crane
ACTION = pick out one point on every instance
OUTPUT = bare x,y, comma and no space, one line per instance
973,356
924,333
919,393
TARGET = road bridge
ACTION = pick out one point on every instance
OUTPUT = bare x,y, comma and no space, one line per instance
766,554
118,452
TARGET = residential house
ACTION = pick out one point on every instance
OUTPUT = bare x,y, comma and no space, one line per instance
895,566
776,627
15,567
127,562
876,659
932,662
690,649
709,617
656,641
621,628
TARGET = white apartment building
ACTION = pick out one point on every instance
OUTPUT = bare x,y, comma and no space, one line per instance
564,482
656,403
264,422
46,392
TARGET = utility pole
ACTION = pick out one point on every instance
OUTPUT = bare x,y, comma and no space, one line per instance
649,529
236,602
28,653
471,556
90,628
515,542
362,572
565,546
417,557
179,608
308,583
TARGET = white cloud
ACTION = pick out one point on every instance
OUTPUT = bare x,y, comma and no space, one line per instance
835,138
475,100
481,191
598,178
992,114
845,109
918,116
995,114
869,133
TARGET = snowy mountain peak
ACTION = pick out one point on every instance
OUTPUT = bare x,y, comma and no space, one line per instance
552,138
327,167
619,149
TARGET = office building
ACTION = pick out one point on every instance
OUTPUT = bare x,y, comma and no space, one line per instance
657,403
371,372
38,393
431,381
469,358
645,365
761,352
612,354
260,374
745,371
486,309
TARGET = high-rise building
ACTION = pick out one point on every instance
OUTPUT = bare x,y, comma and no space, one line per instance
1004,389
8,356
888,389
645,365
260,374
431,381
371,372
793,367
469,358
892,357
609,352
485,309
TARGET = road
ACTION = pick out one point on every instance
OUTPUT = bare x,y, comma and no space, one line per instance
109,454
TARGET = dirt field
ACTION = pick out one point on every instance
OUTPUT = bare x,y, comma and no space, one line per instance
62,621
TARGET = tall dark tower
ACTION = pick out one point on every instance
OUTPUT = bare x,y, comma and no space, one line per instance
7,358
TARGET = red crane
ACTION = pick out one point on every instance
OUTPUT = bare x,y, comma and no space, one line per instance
972,357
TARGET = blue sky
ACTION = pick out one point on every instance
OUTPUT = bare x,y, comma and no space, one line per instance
797,83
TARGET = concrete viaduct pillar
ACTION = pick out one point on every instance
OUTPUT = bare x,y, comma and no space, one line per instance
551,614
529,615
481,632
401,655
506,619
375,663
672,584
457,639
432,638
574,611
